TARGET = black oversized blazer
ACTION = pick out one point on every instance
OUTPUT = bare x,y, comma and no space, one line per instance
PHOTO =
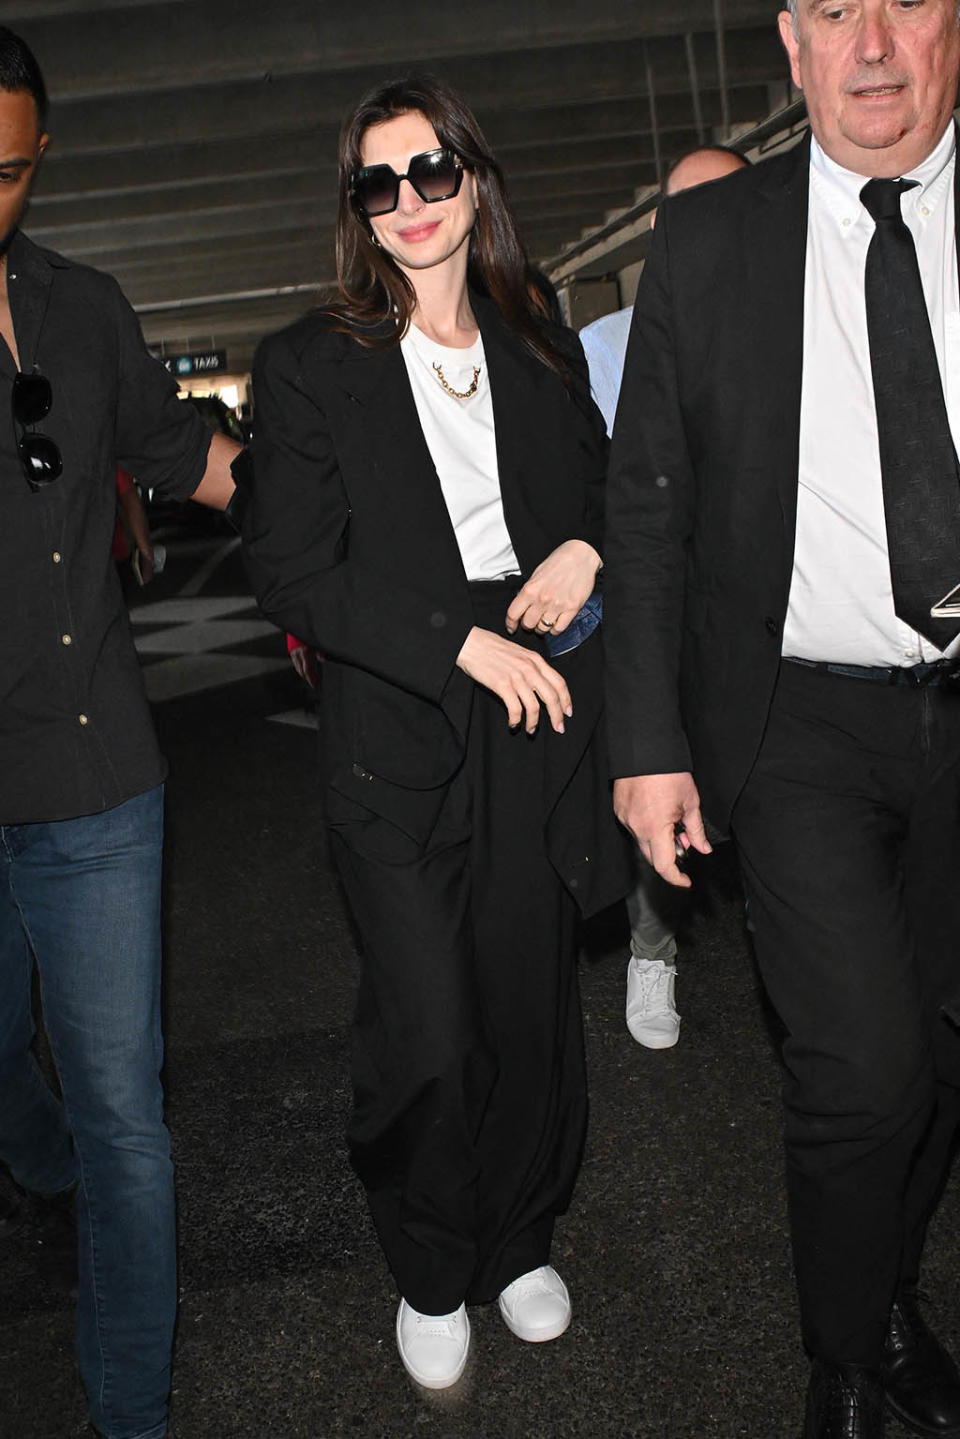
702,499
349,546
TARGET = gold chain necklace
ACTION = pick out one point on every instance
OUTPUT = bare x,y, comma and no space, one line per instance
457,395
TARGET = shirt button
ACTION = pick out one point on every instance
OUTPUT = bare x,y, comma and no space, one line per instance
846,221
67,639
924,210
82,719
57,557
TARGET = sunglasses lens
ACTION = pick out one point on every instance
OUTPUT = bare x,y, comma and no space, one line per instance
40,459
32,398
376,190
435,175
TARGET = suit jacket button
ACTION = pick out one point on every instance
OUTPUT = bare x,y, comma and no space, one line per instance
772,626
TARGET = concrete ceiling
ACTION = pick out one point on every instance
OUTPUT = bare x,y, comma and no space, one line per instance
194,141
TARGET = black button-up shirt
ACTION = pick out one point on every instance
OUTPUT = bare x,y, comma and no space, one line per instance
75,730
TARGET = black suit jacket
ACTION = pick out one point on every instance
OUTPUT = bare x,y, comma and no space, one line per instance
350,546
702,498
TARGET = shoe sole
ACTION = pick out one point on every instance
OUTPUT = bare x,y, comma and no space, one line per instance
426,1383
539,1336
657,1041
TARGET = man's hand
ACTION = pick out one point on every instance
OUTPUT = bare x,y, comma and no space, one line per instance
662,811
557,590
521,677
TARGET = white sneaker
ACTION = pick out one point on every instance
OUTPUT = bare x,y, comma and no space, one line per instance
536,1307
433,1347
652,1018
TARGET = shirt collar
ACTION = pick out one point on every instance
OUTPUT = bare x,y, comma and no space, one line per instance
838,189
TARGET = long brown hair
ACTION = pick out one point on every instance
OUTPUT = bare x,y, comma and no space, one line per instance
373,288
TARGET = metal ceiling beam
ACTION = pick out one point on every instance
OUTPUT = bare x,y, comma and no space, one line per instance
301,103
90,51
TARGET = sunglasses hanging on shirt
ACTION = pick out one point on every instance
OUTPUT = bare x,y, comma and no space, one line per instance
31,400
434,175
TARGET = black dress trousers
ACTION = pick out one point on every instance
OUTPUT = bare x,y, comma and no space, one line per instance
470,1102
849,837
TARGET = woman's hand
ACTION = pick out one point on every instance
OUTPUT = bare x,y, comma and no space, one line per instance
521,677
557,590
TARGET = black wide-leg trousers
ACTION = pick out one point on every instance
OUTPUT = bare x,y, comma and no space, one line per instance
468,1065
849,837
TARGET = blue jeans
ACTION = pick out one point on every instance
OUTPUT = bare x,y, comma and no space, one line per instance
81,898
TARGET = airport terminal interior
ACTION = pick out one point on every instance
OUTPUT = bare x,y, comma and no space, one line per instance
194,157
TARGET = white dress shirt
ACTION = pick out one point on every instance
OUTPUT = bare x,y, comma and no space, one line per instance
462,442
605,346
841,599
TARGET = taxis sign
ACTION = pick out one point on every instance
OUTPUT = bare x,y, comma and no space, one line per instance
200,362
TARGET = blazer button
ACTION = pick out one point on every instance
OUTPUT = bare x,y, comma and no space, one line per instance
772,626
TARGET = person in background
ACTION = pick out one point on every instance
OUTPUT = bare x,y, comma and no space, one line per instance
423,504
81,780
651,1010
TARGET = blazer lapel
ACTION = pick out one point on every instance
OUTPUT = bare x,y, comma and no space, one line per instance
378,384
516,379
776,261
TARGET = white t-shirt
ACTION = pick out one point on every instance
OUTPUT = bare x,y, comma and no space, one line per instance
462,442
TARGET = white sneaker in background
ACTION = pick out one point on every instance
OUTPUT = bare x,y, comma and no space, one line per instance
652,1017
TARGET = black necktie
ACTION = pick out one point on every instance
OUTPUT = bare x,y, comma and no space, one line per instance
918,462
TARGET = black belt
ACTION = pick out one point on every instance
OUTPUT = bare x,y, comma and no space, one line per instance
940,673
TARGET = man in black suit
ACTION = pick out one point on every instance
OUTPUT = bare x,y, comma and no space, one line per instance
784,511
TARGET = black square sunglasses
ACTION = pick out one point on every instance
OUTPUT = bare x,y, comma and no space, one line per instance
435,175
39,456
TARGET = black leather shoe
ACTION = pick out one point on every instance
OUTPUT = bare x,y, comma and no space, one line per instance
844,1401
920,1380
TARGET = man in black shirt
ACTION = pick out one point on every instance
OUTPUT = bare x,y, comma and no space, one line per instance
81,778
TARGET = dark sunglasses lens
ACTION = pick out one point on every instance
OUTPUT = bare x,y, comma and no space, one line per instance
40,458
376,190
435,175
32,398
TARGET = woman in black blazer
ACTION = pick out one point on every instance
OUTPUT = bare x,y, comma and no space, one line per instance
424,504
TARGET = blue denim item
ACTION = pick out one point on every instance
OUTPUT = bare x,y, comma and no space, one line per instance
84,896
582,625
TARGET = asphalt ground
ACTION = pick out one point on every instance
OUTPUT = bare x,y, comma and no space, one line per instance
675,1248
